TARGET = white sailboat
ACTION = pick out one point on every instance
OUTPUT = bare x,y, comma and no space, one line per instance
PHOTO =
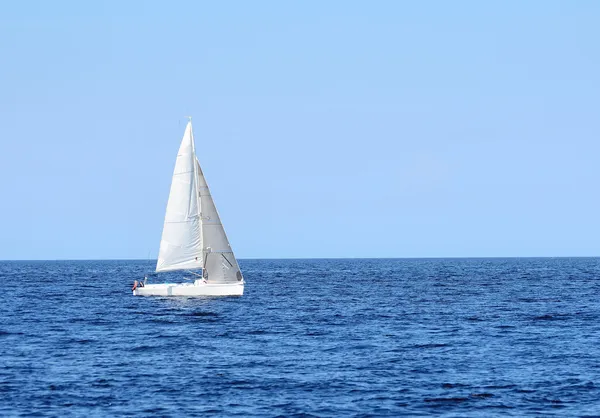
193,237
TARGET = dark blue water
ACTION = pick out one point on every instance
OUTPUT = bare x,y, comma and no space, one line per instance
451,337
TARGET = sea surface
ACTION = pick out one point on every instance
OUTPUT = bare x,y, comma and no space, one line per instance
325,338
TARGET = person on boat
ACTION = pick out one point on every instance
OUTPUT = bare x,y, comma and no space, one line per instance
135,285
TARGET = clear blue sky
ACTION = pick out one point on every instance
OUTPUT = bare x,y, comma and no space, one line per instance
325,128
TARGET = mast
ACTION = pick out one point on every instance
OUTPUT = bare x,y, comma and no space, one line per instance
197,195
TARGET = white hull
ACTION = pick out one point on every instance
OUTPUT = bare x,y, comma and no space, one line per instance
197,288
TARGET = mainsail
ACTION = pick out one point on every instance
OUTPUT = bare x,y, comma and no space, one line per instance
193,236
181,243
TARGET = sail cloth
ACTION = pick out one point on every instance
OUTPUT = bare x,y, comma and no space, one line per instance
220,265
181,243
193,236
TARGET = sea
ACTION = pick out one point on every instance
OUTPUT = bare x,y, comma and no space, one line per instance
309,338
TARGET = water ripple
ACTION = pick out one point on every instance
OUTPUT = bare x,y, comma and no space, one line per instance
455,337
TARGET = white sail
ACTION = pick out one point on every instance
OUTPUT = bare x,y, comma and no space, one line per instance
181,243
220,265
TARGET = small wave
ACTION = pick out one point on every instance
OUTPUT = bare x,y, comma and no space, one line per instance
432,345
446,400
360,347
533,300
257,332
6,333
483,395
5,387
500,406
316,333
84,341
238,383
154,410
202,313
163,390
453,385
161,321
140,348
554,403
550,317
509,386
101,383
99,322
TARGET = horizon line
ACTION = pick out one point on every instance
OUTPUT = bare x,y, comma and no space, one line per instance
317,258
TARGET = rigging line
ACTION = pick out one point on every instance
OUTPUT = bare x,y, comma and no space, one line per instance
228,262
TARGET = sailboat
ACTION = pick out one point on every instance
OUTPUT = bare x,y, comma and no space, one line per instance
193,238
